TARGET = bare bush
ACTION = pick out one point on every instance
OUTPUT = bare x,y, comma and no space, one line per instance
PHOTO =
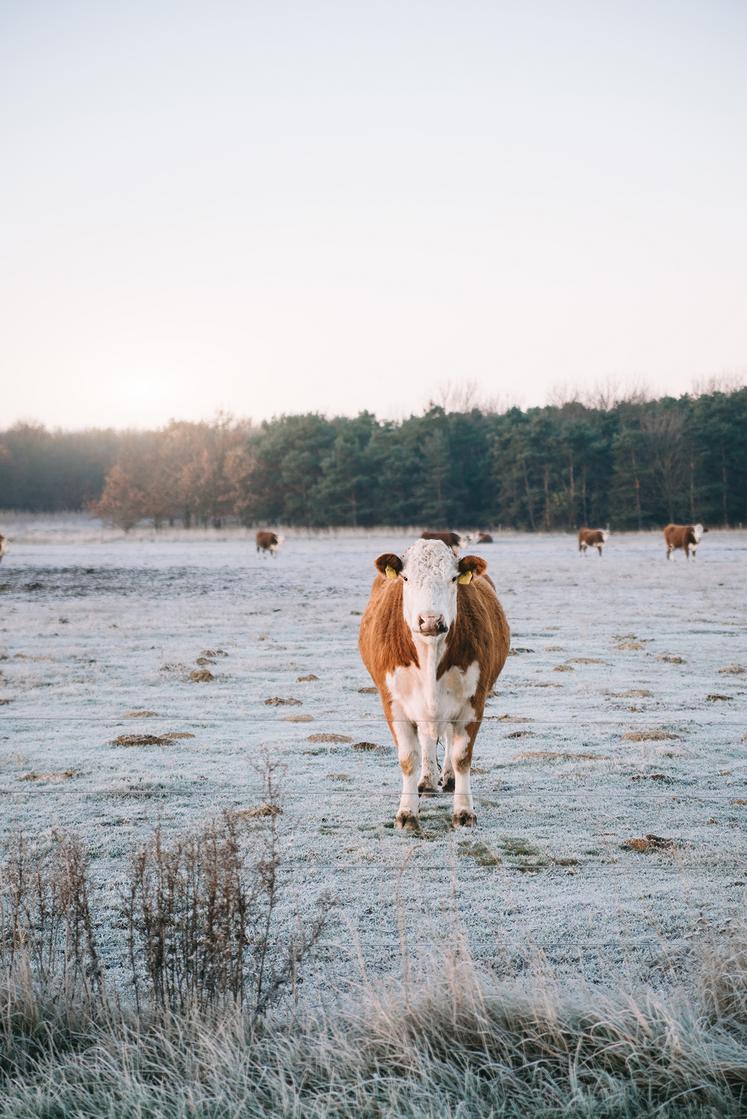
203,915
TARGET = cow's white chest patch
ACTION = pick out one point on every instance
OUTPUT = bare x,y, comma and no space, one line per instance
420,698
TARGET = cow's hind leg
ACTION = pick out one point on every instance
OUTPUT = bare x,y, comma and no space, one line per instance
461,756
408,752
428,739
447,773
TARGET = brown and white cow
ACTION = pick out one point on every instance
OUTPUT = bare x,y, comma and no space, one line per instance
592,538
683,536
451,539
434,639
267,542
3,549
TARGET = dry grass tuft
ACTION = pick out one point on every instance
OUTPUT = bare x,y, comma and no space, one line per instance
716,697
631,646
648,843
53,778
141,715
201,676
733,670
367,691
671,658
368,746
279,701
324,736
557,756
564,668
308,679
650,736
151,739
298,718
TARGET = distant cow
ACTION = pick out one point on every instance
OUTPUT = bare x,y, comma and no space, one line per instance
451,539
434,639
592,538
267,542
484,538
2,548
683,536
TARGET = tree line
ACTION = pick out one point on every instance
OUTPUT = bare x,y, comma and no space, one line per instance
630,463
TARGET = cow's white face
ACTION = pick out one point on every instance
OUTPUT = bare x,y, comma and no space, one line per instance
697,533
431,576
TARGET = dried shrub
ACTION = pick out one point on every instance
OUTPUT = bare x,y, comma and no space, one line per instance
202,915
46,925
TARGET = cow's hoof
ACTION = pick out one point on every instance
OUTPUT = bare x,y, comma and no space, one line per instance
407,821
448,783
426,788
464,819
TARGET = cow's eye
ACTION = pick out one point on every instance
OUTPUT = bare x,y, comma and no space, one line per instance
404,577
455,579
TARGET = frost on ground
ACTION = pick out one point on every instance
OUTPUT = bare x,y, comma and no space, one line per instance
142,678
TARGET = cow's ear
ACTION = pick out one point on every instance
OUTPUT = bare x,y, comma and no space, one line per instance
389,564
469,566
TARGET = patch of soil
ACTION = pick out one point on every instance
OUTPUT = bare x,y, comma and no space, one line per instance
648,843
279,701
368,746
367,691
520,734
733,670
632,693
650,736
205,660
141,715
516,650
298,718
213,653
671,658
306,679
714,697
564,668
632,646
662,777
201,676
586,660
325,737
343,777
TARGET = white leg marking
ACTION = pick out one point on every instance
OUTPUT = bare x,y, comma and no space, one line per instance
464,812
428,760
409,757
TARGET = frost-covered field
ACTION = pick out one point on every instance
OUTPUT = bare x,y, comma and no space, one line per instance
615,719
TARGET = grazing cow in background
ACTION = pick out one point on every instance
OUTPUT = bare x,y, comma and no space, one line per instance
592,538
484,538
267,542
451,539
434,639
683,536
2,548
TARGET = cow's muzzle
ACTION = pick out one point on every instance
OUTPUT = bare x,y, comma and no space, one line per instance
431,625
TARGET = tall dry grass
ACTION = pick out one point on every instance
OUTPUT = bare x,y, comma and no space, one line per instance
210,954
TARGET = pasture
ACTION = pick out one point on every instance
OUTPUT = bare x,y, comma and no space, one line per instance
142,678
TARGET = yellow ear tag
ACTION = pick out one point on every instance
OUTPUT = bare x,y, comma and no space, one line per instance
465,578
390,572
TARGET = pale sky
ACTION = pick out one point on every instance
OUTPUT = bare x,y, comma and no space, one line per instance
280,206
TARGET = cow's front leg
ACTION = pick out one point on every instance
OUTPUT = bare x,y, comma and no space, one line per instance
461,757
428,740
409,757
447,773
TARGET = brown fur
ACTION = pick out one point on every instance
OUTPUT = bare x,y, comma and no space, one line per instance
479,633
679,536
593,537
266,540
451,539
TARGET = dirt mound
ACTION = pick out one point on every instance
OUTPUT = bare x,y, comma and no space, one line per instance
201,676
151,739
650,736
648,843
306,679
325,737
